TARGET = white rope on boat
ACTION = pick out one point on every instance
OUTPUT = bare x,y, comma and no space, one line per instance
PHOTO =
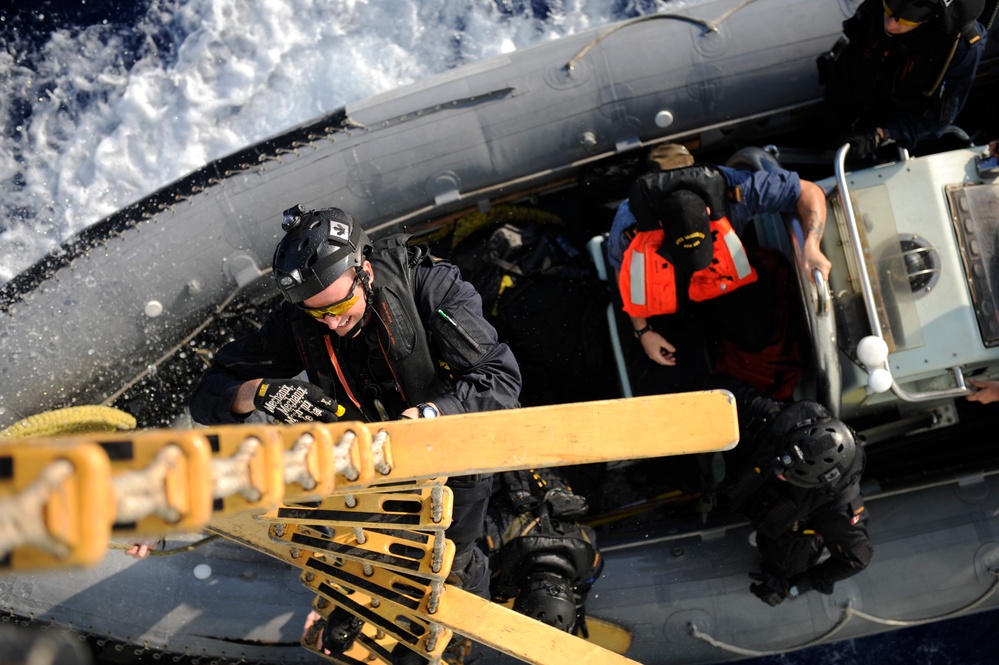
940,617
707,24
731,648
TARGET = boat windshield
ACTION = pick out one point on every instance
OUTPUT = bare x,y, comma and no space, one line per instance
975,211
890,260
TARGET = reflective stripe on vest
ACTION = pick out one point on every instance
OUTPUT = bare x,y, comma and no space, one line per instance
637,273
647,282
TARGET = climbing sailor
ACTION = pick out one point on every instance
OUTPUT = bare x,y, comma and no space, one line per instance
541,556
381,330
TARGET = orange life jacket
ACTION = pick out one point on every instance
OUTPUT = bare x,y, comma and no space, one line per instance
648,283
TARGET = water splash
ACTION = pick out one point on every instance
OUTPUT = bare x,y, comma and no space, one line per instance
105,102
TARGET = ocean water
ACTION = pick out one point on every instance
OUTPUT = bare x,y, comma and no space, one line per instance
106,101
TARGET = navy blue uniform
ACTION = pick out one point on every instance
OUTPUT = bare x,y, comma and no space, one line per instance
474,371
912,85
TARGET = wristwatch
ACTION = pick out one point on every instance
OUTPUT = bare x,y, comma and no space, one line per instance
642,331
427,410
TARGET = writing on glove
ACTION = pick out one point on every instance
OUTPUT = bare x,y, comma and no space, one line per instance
291,401
771,590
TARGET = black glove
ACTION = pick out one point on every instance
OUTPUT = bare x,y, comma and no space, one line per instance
771,590
863,146
291,401
827,61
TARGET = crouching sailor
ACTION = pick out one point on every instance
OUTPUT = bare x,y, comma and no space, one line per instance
796,477
540,555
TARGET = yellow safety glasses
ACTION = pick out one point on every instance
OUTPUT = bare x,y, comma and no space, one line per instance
339,308
901,21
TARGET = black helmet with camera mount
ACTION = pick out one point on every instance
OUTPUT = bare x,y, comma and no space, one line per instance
318,247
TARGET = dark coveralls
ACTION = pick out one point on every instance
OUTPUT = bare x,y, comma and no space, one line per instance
911,85
794,524
456,362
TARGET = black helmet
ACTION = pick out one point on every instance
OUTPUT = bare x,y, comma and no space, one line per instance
318,247
547,596
918,11
817,453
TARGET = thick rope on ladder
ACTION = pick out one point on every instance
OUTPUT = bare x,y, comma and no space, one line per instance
848,613
231,476
71,420
138,494
162,550
296,463
22,519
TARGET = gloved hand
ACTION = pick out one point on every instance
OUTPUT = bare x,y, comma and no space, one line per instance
863,146
291,401
771,590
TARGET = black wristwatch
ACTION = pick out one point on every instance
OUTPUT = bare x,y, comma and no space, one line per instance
427,410
642,331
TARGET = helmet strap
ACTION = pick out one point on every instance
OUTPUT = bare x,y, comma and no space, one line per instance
365,279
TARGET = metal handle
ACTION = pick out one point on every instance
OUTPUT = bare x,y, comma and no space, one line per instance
866,290
960,390
823,302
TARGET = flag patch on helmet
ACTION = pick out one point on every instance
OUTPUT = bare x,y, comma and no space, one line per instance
339,232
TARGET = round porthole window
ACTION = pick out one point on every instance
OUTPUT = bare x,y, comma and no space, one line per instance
922,263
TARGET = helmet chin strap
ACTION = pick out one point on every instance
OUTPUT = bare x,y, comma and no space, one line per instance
355,330
369,295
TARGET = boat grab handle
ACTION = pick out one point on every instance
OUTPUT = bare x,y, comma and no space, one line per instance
867,291
824,302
